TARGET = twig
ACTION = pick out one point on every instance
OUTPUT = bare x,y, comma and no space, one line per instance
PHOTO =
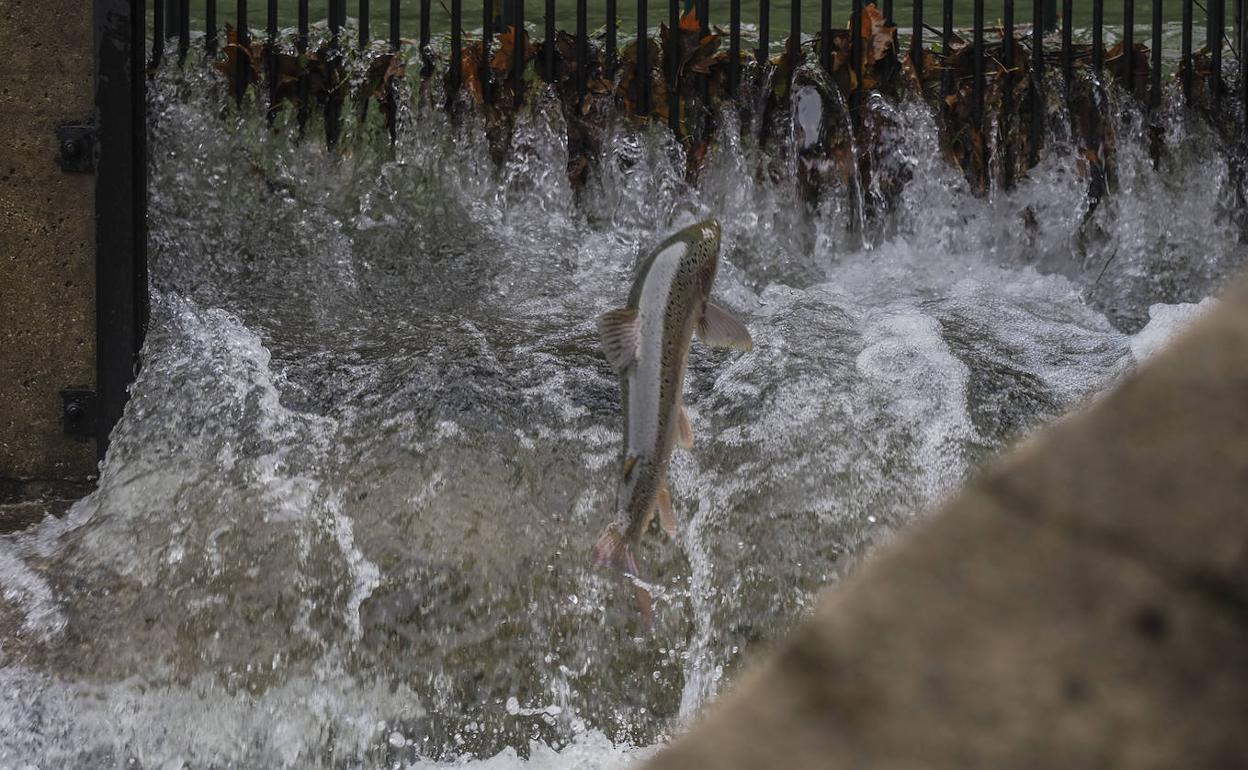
1104,267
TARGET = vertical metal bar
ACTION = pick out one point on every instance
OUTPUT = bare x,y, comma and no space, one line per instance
764,30
184,29
1186,48
582,48
671,58
364,22
642,104
946,47
120,207
916,38
1154,90
1098,37
888,10
210,26
612,54
242,63
704,82
1243,63
487,45
825,35
795,33
734,47
1128,42
1038,11
517,60
1238,26
395,35
173,18
301,46
1007,92
270,52
158,31
548,47
1007,39
1068,56
457,51
1048,21
977,84
426,33
1216,28
333,104
301,40
487,26
855,59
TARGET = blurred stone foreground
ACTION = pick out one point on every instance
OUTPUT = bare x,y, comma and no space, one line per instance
1082,604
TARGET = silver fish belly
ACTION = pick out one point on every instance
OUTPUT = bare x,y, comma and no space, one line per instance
647,342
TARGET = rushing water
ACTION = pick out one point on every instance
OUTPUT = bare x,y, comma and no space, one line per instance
345,521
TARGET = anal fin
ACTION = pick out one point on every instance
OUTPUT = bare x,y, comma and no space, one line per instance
684,431
666,516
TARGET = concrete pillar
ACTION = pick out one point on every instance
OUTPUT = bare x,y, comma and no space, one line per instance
47,254
1082,604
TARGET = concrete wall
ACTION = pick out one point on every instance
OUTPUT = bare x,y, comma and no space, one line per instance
47,255
1082,604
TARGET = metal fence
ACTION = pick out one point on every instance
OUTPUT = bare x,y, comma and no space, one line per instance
171,20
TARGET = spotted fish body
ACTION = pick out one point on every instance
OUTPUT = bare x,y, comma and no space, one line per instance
647,342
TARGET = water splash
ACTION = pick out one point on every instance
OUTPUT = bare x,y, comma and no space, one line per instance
345,519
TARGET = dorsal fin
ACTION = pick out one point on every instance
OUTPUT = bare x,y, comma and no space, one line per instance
621,334
666,517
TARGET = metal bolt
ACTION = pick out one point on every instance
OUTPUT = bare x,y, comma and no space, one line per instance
71,149
73,411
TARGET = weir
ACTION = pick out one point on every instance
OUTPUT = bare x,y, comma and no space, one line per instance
344,518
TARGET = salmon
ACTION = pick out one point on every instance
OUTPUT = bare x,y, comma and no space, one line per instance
647,342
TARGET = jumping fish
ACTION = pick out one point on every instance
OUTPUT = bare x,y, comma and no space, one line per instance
647,342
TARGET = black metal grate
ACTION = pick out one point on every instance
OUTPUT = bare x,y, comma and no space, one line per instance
173,16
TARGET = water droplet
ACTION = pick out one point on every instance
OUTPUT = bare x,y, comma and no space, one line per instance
397,740
513,706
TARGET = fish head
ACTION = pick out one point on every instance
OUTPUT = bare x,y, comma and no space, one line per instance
703,239
703,249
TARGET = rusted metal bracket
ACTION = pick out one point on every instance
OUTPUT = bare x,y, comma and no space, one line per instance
75,144
78,412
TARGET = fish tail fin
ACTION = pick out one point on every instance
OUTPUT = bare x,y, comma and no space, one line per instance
613,550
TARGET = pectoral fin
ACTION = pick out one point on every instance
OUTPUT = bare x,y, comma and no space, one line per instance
720,330
666,517
684,431
621,334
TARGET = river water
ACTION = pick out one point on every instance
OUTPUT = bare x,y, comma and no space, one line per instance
345,521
